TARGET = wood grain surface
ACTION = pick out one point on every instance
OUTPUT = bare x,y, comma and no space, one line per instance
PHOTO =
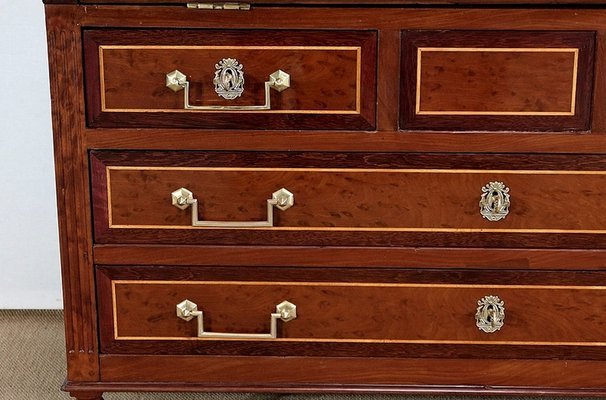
329,200
388,24
374,303
347,373
506,80
344,3
364,312
71,165
332,78
345,312
475,259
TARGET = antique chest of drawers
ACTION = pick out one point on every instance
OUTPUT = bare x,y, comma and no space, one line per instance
331,196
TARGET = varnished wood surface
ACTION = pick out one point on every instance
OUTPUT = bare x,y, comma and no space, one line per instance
332,78
417,141
86,395
75,231
358,200
505,80
389,24
332,389
393,311
321,276
338,200
358,374
377,257
397,369
347,2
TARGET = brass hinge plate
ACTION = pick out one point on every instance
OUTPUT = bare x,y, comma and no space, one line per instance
220,6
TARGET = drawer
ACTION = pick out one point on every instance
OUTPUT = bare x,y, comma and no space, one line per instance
497,80
346,309
231,79
343,199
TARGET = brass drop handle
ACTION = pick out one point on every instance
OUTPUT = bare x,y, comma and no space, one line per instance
281,199
229,84
490,314
285,311
494,202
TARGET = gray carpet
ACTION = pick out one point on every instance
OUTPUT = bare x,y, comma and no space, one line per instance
32,366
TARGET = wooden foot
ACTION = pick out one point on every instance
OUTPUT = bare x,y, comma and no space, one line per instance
87,395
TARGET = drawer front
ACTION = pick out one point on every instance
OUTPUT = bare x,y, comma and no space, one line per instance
231,79
497,80
137,195
394,312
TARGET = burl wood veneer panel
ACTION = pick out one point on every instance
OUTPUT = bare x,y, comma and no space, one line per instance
386,199
500,80
368,309
332,78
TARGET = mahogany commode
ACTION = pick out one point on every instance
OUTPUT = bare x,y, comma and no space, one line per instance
321,196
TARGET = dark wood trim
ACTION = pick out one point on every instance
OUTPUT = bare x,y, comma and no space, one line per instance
365,120
405,274
420,17
311,237
345,3
319,274
292,159
486,351
86,395
580,121
439,390
352,238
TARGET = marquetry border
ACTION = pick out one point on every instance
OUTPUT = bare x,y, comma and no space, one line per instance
575,66
415,116
111,225
357,49
114,283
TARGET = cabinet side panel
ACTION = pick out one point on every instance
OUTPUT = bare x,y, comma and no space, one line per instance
72,192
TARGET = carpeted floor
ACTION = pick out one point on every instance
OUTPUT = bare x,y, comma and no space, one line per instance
32,366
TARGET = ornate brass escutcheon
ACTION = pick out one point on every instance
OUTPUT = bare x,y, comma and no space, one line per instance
229,78
494,203
490,315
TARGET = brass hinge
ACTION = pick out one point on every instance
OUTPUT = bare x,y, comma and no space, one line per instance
220,6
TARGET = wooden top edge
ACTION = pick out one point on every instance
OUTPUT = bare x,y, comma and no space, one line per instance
343,3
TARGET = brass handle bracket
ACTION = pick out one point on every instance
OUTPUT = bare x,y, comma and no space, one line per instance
281,199
285,311
229,84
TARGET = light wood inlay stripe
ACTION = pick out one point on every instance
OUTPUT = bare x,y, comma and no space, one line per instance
569,112
355,284
357,49
109,169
